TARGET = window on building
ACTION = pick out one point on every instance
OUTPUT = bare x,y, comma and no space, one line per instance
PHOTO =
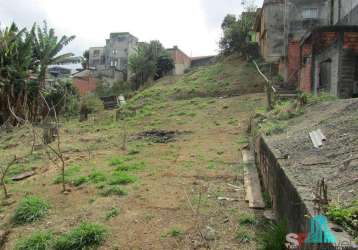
114,52
96,52
310,13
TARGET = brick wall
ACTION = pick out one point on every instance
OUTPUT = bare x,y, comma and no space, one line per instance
305,75
293,62
85,85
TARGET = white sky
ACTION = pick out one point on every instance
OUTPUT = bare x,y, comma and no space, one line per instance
193,25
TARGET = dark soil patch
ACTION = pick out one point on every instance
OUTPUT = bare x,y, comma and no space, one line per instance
159,136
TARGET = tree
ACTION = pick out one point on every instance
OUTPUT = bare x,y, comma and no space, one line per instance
46,49
151,61
85,60
236,34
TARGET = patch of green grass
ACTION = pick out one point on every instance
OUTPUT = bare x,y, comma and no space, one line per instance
242,140
97,177
211,166
79,181
173,232
247,219
112,213
244,236
70,172
121,178
39,240
273,127
85,236
130,166
30,209
113,191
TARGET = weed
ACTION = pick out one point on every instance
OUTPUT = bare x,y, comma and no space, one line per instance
30,209
97,177
121,178
133,152
85,236
211,166
273,127
242,140
70,172
173,232
39,240
247,219
130,166
78,181
243,235
112,213
113,191
274,236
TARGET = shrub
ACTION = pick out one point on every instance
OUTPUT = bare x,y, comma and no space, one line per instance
84,236
113,191
30,209
91,104
97,177
40,240
121,178
78,181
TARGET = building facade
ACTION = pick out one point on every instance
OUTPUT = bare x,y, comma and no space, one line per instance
112,59
182,62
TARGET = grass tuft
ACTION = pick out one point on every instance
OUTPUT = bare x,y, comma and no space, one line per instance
113,191
85,236
121,178
30,209
112,213
39,240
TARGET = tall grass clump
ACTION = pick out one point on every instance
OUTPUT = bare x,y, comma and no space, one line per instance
85,236
30,209
39,240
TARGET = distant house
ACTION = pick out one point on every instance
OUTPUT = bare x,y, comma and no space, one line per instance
112,59
182,62
202,61
57,71
85,82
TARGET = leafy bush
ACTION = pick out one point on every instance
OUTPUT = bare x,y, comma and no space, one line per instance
78,181
273,127
85,236
39,240
346,216
113,191
91,104
30,209
121,178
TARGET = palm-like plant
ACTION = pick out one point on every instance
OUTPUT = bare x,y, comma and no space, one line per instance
46,47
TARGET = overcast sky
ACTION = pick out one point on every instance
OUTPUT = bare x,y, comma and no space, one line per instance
193,25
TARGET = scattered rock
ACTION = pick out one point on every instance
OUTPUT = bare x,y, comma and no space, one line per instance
270,215
23,176
209,233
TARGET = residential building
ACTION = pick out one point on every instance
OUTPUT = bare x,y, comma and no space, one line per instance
57,71
202,61
112,59
182,62
84,81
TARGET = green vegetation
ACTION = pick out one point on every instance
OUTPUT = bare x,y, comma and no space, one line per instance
39,240
113,191
97,176
85,236
70,174
112,213
30,209
243,235
274,236
174,232
247,219
121,178
346,216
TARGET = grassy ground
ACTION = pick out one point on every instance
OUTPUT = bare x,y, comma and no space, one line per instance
152,195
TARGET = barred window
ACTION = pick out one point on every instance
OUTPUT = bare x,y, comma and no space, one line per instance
310,13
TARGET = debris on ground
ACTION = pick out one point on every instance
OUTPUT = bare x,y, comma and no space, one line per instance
160,136
23,176
209,233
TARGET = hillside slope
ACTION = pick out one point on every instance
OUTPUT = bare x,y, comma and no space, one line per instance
183,139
